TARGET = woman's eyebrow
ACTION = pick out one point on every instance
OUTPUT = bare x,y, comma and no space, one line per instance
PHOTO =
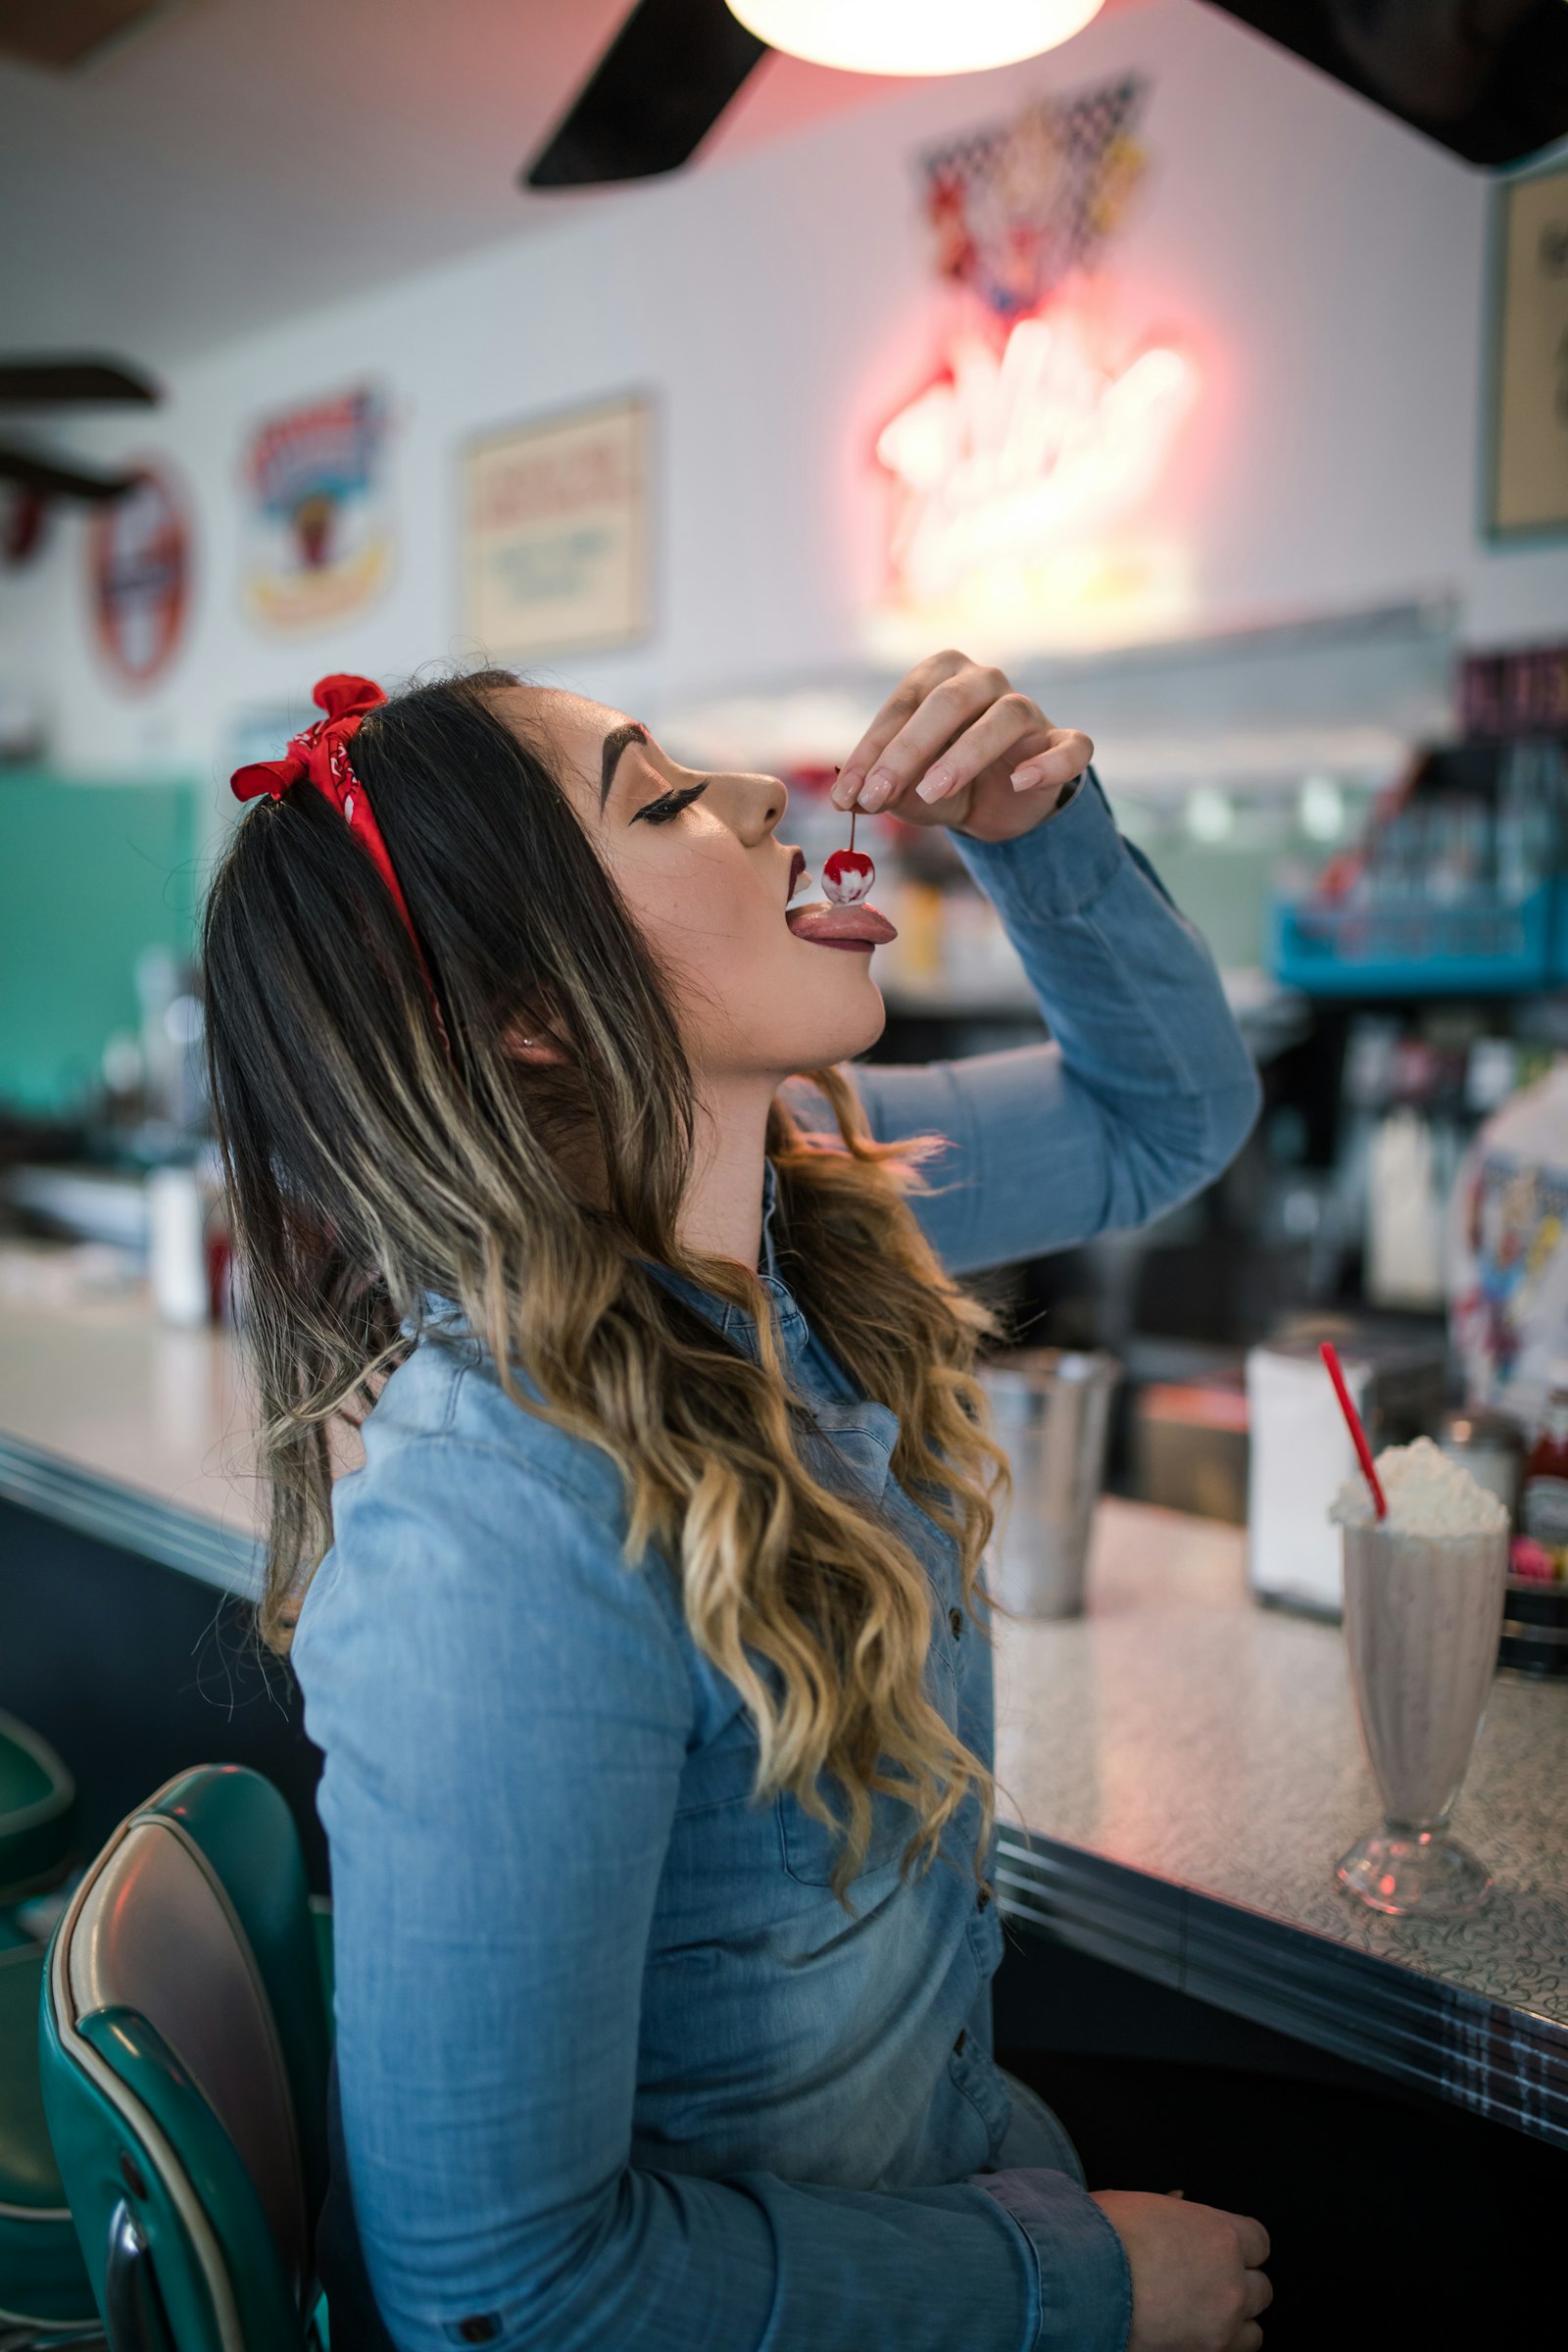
614,744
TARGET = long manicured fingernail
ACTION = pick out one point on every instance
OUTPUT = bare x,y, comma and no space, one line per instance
935,783
844,786
878,789
1023,777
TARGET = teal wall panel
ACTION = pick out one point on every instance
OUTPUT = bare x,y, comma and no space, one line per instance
89,875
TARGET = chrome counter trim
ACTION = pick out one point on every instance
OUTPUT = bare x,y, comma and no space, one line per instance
1506,2063
56,1488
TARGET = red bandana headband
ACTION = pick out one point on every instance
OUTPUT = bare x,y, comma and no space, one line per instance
320,755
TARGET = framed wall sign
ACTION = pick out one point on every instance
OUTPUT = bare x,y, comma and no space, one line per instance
553,533
319,528
138,572
1527,473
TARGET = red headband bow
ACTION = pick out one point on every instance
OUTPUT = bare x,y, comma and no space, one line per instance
320,755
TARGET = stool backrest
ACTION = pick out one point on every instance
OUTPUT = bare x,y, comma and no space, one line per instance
37,1811
185,2046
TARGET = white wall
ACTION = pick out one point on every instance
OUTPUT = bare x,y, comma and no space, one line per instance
1324,265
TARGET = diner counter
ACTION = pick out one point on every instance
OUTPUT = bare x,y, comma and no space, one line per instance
1188,1770
1179,1769
128,1429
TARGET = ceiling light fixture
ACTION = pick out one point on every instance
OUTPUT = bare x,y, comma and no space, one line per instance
915,36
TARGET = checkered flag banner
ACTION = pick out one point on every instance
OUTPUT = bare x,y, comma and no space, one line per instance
1017,208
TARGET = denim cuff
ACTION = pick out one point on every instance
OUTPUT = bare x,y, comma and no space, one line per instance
1084,2283
1059,868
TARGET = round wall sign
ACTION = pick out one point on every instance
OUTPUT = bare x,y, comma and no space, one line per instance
139,559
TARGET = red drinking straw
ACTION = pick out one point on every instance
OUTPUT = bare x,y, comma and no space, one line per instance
1352,1422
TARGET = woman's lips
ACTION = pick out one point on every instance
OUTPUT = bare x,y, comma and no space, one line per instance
860,928
841,926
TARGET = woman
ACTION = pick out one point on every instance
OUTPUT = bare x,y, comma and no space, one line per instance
648,1652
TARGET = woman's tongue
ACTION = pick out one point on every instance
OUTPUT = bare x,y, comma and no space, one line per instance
840,926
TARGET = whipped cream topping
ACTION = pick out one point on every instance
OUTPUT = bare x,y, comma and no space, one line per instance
1427,1494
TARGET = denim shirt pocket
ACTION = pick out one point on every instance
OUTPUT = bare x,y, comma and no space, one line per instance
861,1437
811,1849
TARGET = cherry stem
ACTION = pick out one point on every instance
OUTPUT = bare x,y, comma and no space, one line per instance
852,832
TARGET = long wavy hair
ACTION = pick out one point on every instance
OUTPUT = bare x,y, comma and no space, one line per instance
367,1167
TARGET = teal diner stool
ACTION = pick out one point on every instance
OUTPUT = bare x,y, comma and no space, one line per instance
44,2294
38,1815
45,2299
185,2042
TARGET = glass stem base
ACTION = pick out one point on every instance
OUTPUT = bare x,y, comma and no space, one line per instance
1403,1872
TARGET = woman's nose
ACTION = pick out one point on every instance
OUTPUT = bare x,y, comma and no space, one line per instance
754,806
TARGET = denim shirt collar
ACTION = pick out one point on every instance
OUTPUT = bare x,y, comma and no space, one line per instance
767,1261
861,1434
734,1322
851,1431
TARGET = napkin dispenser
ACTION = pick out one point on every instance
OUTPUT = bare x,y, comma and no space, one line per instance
1300,1451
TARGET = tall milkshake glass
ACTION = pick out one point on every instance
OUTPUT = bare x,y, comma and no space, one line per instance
1422,1617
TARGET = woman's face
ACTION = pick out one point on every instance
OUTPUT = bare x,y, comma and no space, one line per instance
699,862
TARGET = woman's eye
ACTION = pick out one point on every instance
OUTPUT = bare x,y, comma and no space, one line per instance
660,812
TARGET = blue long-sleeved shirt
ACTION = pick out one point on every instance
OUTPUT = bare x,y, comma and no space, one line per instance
615,2068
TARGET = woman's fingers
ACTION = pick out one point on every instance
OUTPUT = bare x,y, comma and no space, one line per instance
1251,2238
901,705
917,721
1066,755
1022,741
947,723
1014,733
963,726
942,722
1259,2293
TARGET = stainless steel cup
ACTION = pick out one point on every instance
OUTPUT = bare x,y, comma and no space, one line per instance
1051,1408
1422,1615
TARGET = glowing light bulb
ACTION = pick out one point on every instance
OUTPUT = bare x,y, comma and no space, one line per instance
1210,814
1320,810
915,36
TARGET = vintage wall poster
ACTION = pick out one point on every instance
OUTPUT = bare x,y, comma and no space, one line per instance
1017,209
554,524
318,536
1528,475
138,578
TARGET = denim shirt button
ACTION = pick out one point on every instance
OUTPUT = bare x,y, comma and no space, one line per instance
955,1621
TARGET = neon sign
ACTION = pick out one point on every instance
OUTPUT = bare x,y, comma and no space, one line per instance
1019,462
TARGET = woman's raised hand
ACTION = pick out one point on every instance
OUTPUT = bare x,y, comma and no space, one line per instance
1198,2277
954,745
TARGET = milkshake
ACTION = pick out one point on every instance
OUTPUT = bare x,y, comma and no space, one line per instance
1423,1610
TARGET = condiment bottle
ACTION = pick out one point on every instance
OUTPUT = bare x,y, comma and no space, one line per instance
1541,1550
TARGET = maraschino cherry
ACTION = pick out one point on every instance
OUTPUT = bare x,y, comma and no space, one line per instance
847,874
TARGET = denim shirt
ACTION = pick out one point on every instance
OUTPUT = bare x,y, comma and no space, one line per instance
615,2067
